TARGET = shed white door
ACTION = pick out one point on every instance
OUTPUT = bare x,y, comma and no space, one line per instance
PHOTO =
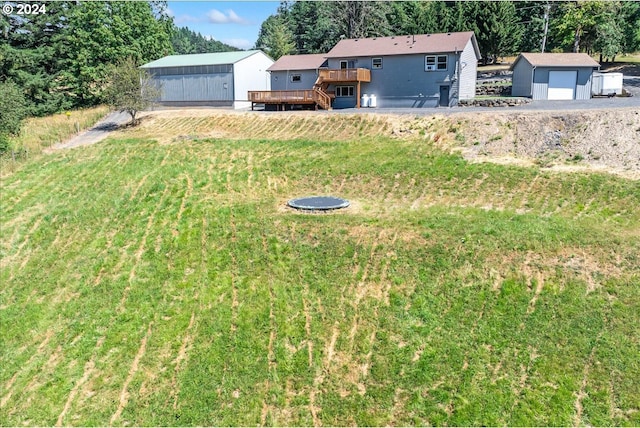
562,85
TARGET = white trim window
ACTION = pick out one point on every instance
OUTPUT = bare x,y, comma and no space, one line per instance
376,63
435,63
344,91
296,78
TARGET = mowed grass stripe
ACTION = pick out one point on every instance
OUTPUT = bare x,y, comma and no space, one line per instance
458,310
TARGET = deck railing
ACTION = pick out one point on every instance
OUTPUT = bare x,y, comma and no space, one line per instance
344,75
292,97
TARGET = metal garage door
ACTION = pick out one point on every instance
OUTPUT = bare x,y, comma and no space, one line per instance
562,85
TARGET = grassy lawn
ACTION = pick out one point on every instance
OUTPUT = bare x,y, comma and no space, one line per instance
631,58
40,133
147,283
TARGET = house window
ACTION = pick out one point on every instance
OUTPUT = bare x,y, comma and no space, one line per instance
435,62
296,77
376,63
347,64
344,91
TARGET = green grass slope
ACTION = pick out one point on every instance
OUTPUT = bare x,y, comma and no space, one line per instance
151,284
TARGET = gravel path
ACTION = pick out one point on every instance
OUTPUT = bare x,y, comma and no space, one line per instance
96,134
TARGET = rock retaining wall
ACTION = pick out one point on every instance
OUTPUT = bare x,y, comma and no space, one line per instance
494,102
496,87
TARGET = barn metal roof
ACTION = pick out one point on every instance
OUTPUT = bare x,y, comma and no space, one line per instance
216,58
557,60
404,45
298,62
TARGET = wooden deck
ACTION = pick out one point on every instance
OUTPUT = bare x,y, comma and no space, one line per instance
281,99
318,96
344,75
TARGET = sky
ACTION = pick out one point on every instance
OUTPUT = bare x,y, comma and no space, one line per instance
235,23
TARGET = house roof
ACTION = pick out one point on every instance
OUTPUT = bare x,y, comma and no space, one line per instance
404,45
557,60
217,58
298,62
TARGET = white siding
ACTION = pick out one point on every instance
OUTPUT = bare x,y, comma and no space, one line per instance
250,74
468,72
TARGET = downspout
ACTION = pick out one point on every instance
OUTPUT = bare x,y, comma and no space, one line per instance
458,75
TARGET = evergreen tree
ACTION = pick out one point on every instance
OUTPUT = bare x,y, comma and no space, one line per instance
495,24
275,38
12,111
313,26
531,17
362,18
418,17
630,17
186,41
29,57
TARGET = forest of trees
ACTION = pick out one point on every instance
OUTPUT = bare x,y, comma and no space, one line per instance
502,28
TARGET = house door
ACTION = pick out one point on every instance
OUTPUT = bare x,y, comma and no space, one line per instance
347,64
444,96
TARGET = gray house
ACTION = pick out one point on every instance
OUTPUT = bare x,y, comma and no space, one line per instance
553,76
295,71
425,70
211,79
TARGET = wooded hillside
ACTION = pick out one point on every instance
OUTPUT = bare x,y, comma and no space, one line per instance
502,28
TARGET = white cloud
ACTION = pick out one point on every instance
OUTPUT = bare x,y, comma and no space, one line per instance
169,12
214,16
235,18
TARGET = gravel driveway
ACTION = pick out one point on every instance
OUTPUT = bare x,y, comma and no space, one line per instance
99,132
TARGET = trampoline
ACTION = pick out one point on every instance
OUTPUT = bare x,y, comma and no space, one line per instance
318,203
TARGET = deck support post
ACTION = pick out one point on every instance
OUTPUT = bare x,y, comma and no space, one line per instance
358,96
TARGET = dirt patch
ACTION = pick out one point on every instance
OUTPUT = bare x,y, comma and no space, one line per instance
601,141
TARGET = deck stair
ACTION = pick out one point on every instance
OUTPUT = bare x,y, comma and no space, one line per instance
318,95
321,97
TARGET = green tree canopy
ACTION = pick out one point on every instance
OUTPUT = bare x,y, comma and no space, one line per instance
12,111
99,34
275,38
501,27
130,89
